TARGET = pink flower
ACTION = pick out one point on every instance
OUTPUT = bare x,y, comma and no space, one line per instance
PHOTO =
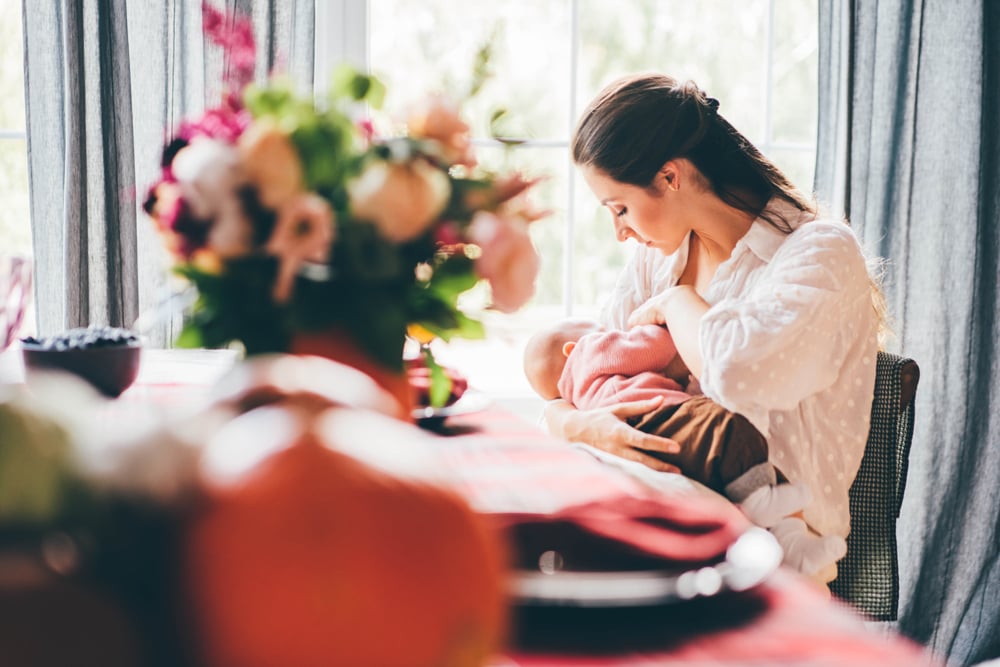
438,119
509,261
225,124
367,130
448,234
183,233
303,233
235,36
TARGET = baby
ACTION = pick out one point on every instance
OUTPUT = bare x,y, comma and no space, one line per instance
589,366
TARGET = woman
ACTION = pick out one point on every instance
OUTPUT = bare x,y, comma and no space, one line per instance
771,305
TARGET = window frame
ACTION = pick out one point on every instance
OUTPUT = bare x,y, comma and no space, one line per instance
342,34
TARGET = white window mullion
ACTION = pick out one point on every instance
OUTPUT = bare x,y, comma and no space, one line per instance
341,36
769,81
569,239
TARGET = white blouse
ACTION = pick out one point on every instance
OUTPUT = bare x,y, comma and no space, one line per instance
789,342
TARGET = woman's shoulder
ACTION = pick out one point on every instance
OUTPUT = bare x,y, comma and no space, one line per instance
825,236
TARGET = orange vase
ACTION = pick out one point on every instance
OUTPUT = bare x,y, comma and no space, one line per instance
340,346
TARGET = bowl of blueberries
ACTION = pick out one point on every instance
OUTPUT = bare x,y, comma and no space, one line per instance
106,357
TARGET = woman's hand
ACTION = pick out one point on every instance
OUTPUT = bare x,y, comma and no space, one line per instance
655,310
606,428
680,308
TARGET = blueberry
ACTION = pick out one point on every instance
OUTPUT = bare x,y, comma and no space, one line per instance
84,338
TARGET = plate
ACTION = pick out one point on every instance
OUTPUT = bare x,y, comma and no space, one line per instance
471,401
751,559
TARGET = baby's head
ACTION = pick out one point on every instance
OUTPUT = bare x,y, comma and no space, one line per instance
546,352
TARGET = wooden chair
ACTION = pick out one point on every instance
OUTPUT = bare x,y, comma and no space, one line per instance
868,577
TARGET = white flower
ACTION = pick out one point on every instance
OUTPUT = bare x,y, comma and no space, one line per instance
209,173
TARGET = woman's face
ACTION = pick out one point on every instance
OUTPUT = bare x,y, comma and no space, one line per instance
637,213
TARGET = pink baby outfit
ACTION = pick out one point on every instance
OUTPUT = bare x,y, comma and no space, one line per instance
608,367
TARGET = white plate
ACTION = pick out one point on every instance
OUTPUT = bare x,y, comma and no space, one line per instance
471,401
752,558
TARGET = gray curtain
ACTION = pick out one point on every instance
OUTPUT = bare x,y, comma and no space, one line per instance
909,147
105,80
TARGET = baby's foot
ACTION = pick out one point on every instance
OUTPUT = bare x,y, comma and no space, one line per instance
806,551
770,504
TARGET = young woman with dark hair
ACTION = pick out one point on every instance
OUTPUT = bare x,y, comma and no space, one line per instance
770,303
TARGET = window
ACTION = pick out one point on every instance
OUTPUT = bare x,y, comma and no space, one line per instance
15,227
758,57
15,231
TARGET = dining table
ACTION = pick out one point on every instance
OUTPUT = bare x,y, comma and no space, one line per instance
591,582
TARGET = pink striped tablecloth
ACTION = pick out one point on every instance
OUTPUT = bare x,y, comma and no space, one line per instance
513,470
521,477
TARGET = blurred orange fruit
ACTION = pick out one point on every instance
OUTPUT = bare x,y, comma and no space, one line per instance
311,558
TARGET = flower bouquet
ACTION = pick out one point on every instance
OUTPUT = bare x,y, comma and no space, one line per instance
291,216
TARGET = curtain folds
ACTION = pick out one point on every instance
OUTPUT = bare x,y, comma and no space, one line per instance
909,149
105,81
81,168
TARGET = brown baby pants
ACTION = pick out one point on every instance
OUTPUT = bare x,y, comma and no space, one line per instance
717,445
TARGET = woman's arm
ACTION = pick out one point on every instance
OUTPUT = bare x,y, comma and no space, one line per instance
605,428
680,308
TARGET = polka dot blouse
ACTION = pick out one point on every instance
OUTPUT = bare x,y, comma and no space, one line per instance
789,342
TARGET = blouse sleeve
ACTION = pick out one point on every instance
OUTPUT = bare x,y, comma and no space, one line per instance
788,339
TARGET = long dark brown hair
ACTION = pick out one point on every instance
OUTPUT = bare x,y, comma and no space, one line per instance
637,124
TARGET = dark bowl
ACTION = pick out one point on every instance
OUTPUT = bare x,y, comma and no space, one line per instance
111,369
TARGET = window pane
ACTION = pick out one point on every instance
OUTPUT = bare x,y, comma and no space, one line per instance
15,230
719,44
431,44
11,67
795,72
797,165
598,257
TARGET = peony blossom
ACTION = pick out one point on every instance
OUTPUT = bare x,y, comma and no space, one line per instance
400,199
303,233
271,164
508,261
438,119
207,172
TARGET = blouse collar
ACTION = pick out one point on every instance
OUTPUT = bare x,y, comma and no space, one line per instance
763,239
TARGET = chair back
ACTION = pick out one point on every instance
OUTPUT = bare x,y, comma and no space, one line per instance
868,576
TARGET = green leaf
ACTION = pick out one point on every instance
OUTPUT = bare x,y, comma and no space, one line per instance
481,67
190,337
273,100
440,383
349,83
452,277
